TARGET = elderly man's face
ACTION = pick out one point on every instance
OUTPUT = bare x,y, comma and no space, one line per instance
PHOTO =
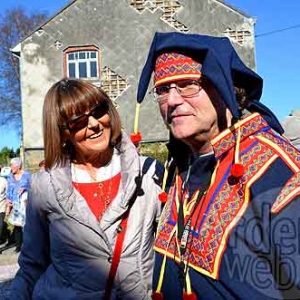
196,119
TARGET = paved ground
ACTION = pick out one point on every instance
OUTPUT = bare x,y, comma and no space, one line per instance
8,269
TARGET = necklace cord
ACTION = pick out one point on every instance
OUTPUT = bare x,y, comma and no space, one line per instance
184,228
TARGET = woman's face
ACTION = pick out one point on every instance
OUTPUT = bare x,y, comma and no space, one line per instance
92,137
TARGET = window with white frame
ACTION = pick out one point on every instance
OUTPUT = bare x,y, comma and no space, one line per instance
82,64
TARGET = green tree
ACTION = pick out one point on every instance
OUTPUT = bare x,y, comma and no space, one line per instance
6,154
15,24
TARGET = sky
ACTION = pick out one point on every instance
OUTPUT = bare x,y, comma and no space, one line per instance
277,47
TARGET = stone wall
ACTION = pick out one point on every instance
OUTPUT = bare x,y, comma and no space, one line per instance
123,31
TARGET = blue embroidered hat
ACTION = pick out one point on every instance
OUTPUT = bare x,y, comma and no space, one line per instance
220,64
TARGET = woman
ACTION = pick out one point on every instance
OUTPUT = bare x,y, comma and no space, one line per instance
18,183
3,202
77,242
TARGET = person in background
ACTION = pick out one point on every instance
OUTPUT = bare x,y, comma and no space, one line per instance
291,126
94,209
3,202
18,183
230,226
41,168
42,165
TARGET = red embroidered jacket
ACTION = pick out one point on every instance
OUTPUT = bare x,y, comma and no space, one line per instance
237,221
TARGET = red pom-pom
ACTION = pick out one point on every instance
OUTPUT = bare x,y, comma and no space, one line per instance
237,170
191,296
163,197
157,296
136,137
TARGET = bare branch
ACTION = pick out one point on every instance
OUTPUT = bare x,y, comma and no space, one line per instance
15,24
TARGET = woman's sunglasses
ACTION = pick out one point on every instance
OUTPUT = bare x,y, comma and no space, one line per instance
82,121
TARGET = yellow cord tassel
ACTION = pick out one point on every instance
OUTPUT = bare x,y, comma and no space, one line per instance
136,117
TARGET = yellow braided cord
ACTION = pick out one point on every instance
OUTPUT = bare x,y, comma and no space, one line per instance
237,146
136,117
188,282
166,172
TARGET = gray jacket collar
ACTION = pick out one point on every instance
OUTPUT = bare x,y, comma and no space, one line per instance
74,205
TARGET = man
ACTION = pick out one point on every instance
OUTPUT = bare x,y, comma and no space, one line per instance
230,226
291,126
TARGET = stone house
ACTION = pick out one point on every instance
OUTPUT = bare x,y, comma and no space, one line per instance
106,42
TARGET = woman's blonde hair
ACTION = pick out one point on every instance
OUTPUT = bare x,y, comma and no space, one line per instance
64,100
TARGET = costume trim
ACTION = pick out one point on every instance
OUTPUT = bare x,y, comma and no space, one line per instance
176,78
290,190
291,157
226,203
287,156
229,130
223,207
228,138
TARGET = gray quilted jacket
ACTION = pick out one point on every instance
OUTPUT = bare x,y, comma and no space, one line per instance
67,252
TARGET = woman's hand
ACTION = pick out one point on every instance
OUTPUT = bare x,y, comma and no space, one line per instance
20,191
8,207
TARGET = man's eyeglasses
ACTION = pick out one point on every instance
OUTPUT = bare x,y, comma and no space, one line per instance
185,88
82,121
